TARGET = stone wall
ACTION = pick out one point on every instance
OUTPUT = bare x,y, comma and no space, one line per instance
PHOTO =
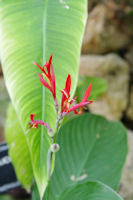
107,51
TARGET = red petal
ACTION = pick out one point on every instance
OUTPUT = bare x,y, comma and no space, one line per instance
73,100
38,66
79,112
50,59
32,118
75,112
87,93
81,104
48,65
44,82
34,124
40,122
68,84
64,92
53,83
63,99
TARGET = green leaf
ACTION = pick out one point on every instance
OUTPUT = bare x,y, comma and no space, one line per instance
35,193
18,149
91,148
5,197
31,30
89,191
99,87
130,13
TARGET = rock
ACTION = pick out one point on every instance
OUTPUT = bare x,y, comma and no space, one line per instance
116,71
92,4
126,188
129,112
129,57
105,31
4,100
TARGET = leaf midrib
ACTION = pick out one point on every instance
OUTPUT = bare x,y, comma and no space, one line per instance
42,140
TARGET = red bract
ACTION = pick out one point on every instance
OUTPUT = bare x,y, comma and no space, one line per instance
66,103
66,95
34,123
48,73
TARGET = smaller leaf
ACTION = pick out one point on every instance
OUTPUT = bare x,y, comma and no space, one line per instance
5,197
18,149
89,191
130,13
35,192
99,86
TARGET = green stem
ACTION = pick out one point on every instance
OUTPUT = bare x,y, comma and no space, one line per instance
49,156
49,163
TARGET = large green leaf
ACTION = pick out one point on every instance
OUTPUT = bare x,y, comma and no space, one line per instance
91,148
32,30
89,191
92,190
18,149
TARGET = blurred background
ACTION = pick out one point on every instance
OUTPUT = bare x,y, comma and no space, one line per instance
107,51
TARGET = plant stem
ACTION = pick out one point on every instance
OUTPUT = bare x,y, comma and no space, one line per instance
50,155
58,122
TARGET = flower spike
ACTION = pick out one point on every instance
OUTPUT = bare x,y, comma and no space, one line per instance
66,103
48,73
34,124
84,102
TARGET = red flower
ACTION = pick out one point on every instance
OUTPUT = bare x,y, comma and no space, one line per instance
66,103
49,75
34,124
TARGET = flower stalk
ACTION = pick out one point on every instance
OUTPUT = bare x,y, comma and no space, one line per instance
47,79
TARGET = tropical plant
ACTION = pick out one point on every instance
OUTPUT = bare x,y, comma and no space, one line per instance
92,150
